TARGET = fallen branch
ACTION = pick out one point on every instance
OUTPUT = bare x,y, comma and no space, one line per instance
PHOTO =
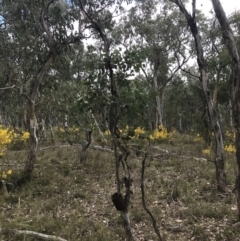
105,149
162,150
40,235
15,165
99,148
50,147
167,153
175,228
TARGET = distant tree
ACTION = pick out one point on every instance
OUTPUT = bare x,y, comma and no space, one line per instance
158,53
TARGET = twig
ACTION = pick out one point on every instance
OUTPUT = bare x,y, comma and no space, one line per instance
98,127
40,235
143,201
86,145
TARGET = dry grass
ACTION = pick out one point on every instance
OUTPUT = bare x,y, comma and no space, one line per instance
72,201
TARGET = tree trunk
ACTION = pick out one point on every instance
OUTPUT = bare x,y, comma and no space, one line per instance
32,118
230,114
33,139
113,120
219,161
159,119
233,51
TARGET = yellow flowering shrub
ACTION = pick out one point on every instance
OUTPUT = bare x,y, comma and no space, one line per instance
61,130
107,133
206,151
160,133
230,148
139,131
19,139
5,174
8,136
25,136
198,138
230,137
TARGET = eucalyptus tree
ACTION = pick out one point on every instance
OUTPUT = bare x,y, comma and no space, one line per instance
9,72
99,19
40,32
161,53
184,104
203,70
231,45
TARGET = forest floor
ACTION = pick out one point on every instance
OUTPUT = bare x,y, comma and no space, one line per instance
73,201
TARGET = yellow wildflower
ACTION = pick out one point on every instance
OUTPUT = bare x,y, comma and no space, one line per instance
9,172
4,175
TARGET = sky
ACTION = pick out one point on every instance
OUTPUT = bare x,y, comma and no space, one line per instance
229,6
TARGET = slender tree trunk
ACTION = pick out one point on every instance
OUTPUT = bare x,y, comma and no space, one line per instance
159,120
43,129
113,121
29,166
230,114
49,120
219,161
33,139
233,51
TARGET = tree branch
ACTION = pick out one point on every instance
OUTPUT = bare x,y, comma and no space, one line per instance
45,27
143,201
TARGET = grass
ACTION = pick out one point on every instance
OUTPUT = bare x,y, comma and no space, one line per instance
73,201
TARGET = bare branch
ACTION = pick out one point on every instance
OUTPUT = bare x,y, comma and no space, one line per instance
98,127
7,88
40,75
193,8
189,72
144,204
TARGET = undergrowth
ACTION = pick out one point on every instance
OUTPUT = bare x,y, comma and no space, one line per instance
73,201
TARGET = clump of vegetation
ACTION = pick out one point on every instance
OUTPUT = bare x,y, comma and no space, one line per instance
79,206
8,136
5,174
159,134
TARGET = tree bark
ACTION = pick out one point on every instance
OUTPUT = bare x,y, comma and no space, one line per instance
32,118
33,139
113,117
158,102
233,51
219,161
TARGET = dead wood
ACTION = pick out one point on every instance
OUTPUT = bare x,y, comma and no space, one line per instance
40,235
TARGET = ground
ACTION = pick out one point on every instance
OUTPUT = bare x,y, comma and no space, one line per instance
73,201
